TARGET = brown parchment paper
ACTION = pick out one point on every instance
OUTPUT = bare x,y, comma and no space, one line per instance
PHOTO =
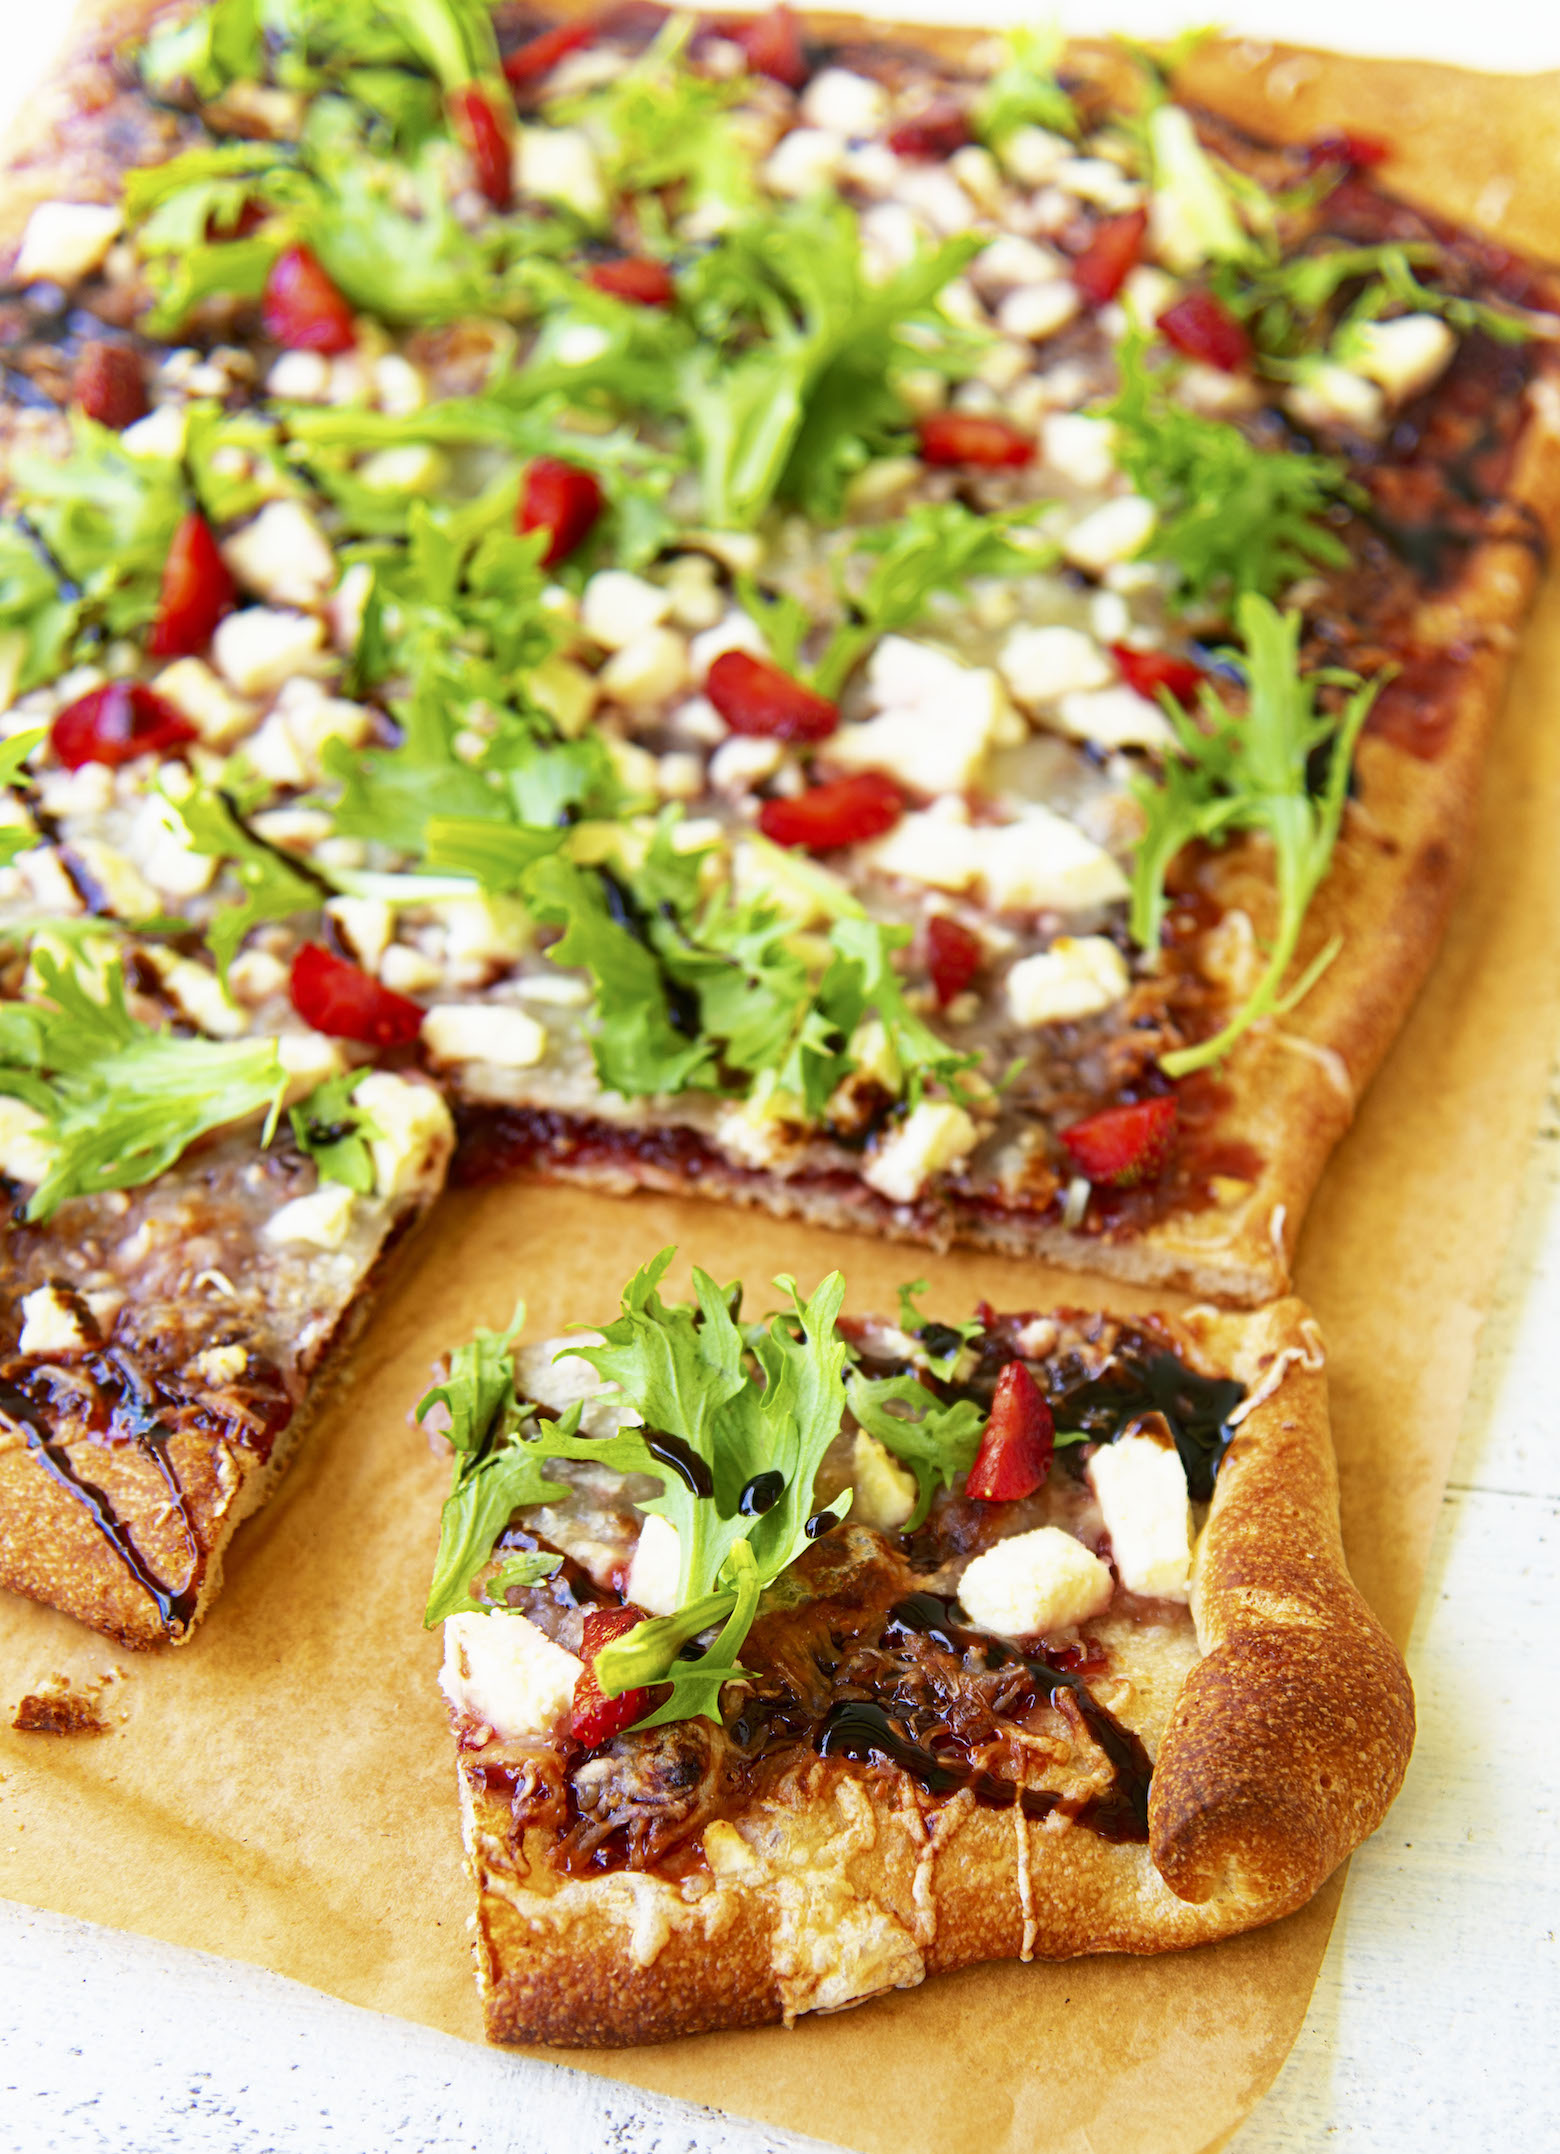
282,1789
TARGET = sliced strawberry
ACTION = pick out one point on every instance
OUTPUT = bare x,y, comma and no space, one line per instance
1018,1443
196,591
1358,152
937,132
756,698
773,44
302,309
1204,329
109,385
348,1003
847,812
953,957
1110,257
116,723
1123,1146
969,437
561,499
1146,672
529,62
596,1719
636,278
485,134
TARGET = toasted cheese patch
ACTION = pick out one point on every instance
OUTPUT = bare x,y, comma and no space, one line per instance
1141,1486
1035,1582
501,1669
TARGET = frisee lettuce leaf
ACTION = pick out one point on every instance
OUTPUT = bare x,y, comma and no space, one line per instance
1024,91
937,1442
337,1133
1247,771
274,888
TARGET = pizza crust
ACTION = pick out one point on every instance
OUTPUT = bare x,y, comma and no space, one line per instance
1284,1746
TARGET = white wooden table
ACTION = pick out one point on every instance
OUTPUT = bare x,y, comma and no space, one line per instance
1435,2020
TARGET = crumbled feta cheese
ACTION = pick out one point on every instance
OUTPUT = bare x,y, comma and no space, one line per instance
679,776
1037,862
288,748
480,932
765,1131
366,924
698,602
483,1032
49,1324
65,241
931,193
299,378
1033,155
934,1135
566,692
1097,180
255,976
409,971
735,631
211,707
48,885
501,1670
283,556
1113,718
1141,1486
937,721
1035,1582
1080,448
398,385
1041,664
161,434
1077,977
1114,532
1402,356
307,1059
655,1569
261,648
648,670
1037,311
198,994
413,1129
558,164
24,1155
804,162
1011,261
843,102
1331,395
884,1492
127,893
320,1220
411,467
221,1364
618,608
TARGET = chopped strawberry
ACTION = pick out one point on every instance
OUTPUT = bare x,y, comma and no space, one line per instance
968,437
485,134
773,44
1146,672
1123,1146
115,723
109,385
756,698
196,591
301,307
1359,152
1111,255
349,1004
936,132
846,812
561,499
1018,1443
596,1719
953,957
529,62
636,278
1204,329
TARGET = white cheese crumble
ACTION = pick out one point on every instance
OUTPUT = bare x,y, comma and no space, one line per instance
1035,1582
619,607
1113,718
483,1032
656,1568
884,1491
1041,664
261,648
49,1324
1077,977
65,241
933,1136
283,556
1402,356
1116,531
502,1670
937,719
1141,1486
24,1155
558,164
412,1127
320,1220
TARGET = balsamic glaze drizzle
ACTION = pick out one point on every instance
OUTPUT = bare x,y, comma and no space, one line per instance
1196,1409
684,1461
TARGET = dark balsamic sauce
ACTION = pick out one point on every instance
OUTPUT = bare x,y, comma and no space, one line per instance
761,1494
684,1461
1196,1409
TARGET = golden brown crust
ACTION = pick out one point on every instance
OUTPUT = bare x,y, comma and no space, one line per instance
1284,1746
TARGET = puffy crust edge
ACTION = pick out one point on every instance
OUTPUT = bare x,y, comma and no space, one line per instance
1286,1744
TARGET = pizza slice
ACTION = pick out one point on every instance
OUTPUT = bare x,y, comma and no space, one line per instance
793,1660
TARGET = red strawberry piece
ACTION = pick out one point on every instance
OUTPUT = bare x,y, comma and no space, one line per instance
1146,672
1123,1146
636,278
773,44
486,137
756,698
348,1003
109,385
596,1719
937,132
1359,152
953,957
196,591
529,62
301,307
1112,253
1204,329
846,812
561,499
1018,1442
968,437
115,723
